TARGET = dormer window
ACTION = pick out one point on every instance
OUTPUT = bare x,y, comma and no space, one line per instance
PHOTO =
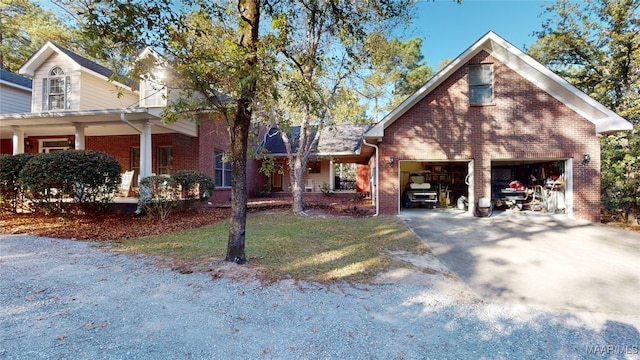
481,84
56,90
153,94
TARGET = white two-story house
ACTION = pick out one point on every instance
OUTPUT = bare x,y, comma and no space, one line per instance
75,103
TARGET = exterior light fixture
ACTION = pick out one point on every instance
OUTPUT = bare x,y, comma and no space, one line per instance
392,160
585,159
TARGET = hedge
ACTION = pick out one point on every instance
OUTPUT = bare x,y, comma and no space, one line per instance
70,181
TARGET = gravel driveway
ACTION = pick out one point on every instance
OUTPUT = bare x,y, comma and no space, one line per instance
65,299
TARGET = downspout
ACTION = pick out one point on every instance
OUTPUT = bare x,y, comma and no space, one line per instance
123,117
364,141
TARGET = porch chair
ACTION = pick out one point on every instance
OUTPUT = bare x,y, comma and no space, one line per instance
309,185
125,184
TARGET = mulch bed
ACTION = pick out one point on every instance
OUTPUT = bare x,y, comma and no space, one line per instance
118,226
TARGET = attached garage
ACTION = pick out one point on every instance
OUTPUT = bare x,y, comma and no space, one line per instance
493,124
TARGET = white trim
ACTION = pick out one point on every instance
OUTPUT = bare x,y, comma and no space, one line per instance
42,148
568,189
471,198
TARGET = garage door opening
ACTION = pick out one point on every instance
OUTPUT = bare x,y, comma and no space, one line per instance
533,185
432,185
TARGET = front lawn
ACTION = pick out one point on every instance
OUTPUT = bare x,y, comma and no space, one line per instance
280,245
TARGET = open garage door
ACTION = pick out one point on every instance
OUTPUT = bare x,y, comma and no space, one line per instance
533,185
433,184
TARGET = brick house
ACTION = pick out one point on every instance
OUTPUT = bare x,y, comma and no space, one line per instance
494,125
337,145
76,103
492,118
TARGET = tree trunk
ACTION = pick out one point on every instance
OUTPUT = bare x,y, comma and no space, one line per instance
297,187
240,134
632,215
305,145
238,220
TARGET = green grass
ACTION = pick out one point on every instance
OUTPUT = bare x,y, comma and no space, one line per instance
288,246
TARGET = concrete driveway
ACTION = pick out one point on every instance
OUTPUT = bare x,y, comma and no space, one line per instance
537,259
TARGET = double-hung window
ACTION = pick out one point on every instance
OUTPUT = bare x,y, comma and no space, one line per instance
154,94
221,169
165,160
56,90
481,84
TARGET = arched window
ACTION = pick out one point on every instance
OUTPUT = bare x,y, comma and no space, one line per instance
56,90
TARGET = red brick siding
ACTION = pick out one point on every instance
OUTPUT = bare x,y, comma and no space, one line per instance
524,122
117,146
6,146
214,135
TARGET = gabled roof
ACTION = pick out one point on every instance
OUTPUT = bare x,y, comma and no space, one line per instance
14,80
335,140
79,63
605,120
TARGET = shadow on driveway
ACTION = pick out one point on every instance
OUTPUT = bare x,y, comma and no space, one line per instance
537,259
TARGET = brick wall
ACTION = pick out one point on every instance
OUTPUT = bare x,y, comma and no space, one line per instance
523,123
213,135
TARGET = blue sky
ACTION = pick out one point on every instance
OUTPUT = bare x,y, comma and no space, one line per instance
449,28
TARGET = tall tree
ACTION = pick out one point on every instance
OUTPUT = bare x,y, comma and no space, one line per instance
396,70
24,28
595,45
219,60
320,45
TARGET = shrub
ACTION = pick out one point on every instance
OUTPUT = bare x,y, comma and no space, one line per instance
11,195
158,196
263,191
194,185
326,190
64,181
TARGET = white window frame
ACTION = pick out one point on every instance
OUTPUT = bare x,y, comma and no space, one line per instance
481,84
56,76
221,174
153,94
43,148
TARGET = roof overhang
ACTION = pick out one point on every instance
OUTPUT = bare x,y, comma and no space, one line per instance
105,122
14,85
605,120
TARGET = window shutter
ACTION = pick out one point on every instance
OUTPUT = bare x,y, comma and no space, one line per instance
67,93
45,93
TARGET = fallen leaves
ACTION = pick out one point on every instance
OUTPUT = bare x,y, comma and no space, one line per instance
114,226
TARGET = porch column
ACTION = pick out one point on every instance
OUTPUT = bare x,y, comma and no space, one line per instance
145,150
332,178
18,141
80,144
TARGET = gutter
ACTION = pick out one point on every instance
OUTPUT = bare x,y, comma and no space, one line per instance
364,141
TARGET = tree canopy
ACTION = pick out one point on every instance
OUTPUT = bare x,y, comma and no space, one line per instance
595,45
24,27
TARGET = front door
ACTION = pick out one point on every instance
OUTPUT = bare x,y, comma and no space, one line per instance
277,177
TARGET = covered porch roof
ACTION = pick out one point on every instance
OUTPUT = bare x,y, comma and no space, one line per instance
104,122
340,143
